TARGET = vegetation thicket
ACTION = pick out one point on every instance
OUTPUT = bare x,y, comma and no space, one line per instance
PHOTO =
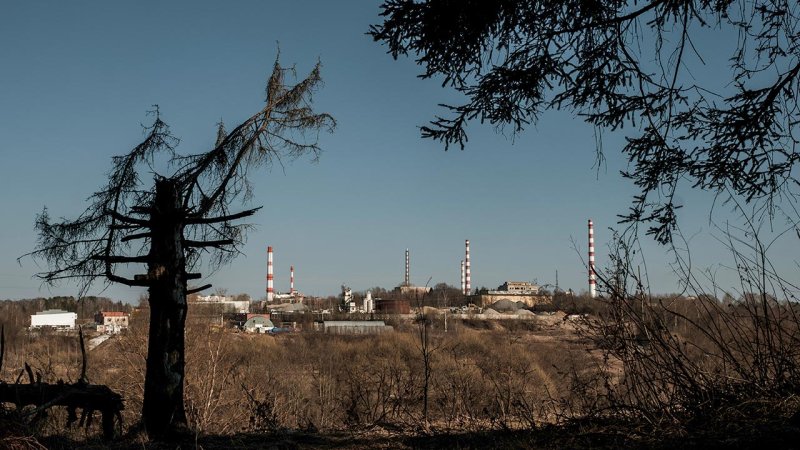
658,368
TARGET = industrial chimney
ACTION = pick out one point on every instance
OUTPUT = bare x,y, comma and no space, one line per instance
407,279
291,280
270,290
592,279
463,278
467,282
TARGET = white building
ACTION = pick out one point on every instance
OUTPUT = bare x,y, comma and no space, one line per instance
54,318
226,302
369,303
517,287
355,327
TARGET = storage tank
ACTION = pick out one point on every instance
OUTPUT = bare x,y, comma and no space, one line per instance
392,307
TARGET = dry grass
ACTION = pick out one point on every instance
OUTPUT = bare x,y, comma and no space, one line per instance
480,379
503,386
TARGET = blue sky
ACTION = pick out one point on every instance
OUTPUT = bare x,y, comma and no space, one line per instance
78,78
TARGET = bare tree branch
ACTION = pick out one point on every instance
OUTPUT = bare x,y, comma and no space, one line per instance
200,244
221,219
196,290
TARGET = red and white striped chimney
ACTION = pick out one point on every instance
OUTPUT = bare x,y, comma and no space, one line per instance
291,280
270,290
407,279
592,277
463,278
467,281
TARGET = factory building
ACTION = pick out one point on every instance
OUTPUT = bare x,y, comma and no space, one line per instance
226,302
520,287
369,303
406,288
388,306
54,318
515,291
293,296
412,291
355,327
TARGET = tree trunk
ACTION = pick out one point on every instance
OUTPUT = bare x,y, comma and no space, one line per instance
163,412
88,397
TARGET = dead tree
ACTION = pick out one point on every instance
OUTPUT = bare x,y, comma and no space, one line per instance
169,223
79,395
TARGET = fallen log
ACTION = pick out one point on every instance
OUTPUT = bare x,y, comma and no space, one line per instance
87,397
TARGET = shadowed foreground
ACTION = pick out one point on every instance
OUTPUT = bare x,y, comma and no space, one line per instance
601,436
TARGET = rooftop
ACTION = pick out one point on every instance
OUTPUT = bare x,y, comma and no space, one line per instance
354,323
53,311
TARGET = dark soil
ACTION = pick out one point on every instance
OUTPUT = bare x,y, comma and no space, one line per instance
576,436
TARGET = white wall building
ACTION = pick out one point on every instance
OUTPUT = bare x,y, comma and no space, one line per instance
55,318
369,303
225,301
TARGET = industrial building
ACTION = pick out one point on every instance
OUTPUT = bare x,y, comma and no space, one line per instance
392,306
406,288
54,318
515,291
412,291
226,302
518,287
369,303
355,327
348,302
287,308
293,296
350,305
522,292
258,323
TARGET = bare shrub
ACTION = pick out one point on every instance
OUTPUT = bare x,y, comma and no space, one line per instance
213,400
379,387
690,362
459,391
504,378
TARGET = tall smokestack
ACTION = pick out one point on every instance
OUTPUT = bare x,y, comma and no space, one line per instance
291,280
467,282
463,278
592,280
407,283
270,290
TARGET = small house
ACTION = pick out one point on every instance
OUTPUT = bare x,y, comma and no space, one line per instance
111,322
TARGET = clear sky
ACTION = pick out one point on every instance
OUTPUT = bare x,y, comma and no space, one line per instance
77,78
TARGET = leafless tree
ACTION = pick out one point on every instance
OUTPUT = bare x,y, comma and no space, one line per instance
692,360
168,222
